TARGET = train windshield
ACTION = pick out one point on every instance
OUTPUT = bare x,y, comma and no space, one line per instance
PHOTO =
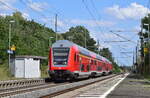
60,56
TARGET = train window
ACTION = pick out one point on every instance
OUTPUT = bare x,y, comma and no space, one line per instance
107,69
60,56
104,65
99,68
88,67
82,67
92,62
95,62
75,57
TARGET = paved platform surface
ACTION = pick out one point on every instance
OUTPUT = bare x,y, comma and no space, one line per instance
95,90
132,87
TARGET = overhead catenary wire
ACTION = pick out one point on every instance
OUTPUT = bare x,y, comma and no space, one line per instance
93,17
39,12
59,12
123,37
14,9
93,4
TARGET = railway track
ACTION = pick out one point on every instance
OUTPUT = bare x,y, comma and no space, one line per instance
47,90
4,85
14,87
10,92
77,87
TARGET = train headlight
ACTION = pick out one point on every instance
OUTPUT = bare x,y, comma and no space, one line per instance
65,62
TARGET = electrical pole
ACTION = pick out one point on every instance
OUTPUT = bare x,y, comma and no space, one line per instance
98,46
134,66
56,26
9,43
85,40
149,47
148,66
136,54
133,58
9,40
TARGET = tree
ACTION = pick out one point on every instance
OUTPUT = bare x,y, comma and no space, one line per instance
145,44
80,35
105,52
29,37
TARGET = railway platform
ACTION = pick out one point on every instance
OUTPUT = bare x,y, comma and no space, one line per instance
133,86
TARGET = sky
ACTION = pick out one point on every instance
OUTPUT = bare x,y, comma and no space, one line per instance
103,18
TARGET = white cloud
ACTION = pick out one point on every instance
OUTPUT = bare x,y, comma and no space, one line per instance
3,14
92,23
37,6
6,5
137,28
52,22
4,8
61,23
25,15
133,11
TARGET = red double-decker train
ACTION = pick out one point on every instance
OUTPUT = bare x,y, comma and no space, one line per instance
71,61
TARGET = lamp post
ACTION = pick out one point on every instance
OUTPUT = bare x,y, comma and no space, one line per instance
50,42
11,21
148,42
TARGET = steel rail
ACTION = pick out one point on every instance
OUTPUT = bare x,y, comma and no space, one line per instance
49,89
77,87
15,91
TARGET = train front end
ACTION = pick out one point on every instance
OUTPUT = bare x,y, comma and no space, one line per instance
60,66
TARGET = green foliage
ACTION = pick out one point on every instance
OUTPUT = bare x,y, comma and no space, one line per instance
146,43
106,53
29,37
4,73
80,35
146,20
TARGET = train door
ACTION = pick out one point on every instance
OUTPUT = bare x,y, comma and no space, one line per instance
103,66
99,67
81,64
88,65
77,62
91,65
95,65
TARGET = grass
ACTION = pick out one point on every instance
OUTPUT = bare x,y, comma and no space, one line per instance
147,76
44,70
6,75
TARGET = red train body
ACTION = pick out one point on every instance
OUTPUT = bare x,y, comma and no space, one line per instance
68,61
